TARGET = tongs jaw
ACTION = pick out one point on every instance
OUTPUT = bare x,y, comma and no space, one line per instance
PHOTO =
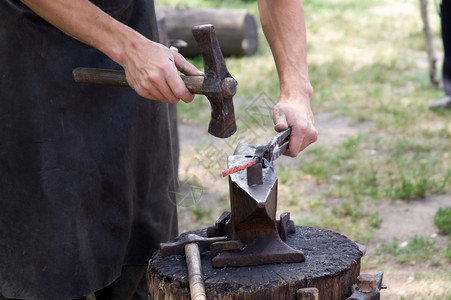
266,154
267,151
263,155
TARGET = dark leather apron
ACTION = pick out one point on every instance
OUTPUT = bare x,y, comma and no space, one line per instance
86,172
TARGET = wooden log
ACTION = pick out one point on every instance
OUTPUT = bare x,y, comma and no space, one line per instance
332,265
307,294
236,29
162,31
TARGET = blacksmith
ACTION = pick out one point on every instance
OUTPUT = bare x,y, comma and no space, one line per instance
87,173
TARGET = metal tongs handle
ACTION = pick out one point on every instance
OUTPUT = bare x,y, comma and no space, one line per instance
283,136
265,153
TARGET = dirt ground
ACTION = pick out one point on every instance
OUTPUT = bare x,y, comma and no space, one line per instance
401,219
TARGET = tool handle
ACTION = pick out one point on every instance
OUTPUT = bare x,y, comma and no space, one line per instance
117,78
196,282
283,136
281,150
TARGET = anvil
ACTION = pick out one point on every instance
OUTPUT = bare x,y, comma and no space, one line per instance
252,230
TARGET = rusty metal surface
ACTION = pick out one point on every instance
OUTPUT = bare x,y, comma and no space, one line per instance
222,123
218,247
270,152
217,84
178,247
285,226
254,174
260,157
220,227
253,201
253,235
368,287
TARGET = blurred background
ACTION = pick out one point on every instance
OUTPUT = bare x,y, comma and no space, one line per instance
380,172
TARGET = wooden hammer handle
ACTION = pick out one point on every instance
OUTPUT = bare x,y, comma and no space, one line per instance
117,78
196,283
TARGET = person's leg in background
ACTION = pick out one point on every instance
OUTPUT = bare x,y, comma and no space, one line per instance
445,13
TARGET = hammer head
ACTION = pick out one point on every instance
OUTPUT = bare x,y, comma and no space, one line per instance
218,85
178,247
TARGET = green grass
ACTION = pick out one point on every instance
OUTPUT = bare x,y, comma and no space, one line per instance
417,250
367,76
442,220
368,66
433,296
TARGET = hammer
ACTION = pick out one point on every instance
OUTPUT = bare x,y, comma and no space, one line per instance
217,84
191,245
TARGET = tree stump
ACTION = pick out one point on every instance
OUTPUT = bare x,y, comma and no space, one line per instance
332,265
235,28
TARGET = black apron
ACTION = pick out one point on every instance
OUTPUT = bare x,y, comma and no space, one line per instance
86,172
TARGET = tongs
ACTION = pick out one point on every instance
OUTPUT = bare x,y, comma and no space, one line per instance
265,153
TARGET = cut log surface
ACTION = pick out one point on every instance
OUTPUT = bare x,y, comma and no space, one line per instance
332,265
236,29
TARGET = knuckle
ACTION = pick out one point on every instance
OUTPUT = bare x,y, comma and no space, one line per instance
153,77
141,93
187,99
140,90
303,127
145,85
173,100
314,135
182,93
171,97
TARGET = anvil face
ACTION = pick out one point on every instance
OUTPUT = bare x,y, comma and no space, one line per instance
246,200
253,220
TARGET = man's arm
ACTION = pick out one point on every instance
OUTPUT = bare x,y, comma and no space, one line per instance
151,68
284,27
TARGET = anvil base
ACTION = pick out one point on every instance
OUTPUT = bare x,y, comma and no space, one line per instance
267,249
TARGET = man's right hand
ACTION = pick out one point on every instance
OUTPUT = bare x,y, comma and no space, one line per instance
152,70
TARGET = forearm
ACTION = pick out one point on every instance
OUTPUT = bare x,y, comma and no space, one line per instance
284,27
87,23
152,70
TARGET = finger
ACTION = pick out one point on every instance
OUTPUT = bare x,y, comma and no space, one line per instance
153,94
280,120
156,88
185,67
168,94
162,96
296,140
178,88
302,135
310,138
145,86
174,81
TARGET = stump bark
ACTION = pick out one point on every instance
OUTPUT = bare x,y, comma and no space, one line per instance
236,30
332,265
